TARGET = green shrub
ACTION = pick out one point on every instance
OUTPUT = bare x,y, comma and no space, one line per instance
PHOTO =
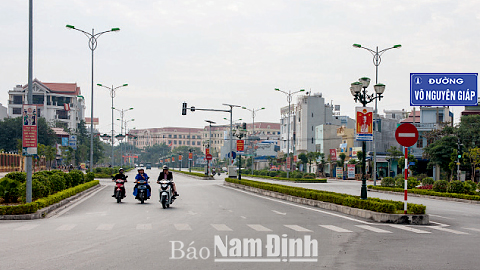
456,187
39,190
272,173
470,187
309,176
388,182
283,174
45,188
427,181
478,185
399,180
68,179
57,183
77,177
9,190
440,186
89,177
412,182
18,176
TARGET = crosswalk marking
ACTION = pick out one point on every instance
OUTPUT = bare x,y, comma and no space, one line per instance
406,228
297,228
221,227
373,229
66,227
259,228
27,227
335,228
105,227
144,226
447,230
473,229
182,227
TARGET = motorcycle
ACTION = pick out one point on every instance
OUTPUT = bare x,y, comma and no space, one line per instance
166,193
141,192
120,190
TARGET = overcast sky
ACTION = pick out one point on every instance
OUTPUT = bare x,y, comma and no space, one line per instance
211,52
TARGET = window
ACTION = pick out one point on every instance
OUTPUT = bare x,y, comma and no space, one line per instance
420,142
17,100
169,142
198,143
17,110
175,136
174,141
169,135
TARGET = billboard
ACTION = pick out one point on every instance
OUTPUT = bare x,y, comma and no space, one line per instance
364,126
29,130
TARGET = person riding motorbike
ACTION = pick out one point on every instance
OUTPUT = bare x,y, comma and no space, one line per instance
165,174
119,175
142,176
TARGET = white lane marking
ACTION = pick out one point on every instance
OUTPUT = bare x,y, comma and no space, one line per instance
221,227
447,230
280,213
335,228
66,227
373,229
56,215
243,217
473,229
406,228
182,227
147,226
440,216
105,227
191,213
27,227
299,206
259,228
297,228
439,224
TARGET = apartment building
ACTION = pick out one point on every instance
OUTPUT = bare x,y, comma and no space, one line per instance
171,136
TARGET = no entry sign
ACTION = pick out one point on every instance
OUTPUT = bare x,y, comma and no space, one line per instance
406,135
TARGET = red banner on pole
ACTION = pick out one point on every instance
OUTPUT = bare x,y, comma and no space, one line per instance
29,130
240,145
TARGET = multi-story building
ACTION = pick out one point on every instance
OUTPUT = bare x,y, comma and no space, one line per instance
3,112
61,104
171,136
309,112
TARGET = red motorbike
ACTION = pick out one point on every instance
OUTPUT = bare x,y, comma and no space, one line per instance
120,189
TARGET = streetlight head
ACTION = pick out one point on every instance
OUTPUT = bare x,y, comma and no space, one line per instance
70,26
379,88
351,91
262,108
276,89
365,81
99,84
397,46
130,108
302,90
115,29
125,84
357,45
356,87
244,108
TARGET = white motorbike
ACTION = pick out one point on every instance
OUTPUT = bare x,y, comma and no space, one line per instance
166,192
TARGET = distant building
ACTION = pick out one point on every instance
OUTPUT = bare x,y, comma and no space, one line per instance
471,110
171,136
61,104
3,112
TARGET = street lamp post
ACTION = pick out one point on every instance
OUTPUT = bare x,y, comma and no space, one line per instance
92,44
112,94
289,99
253,131
209,140
359,92
231,131
122,112
377,59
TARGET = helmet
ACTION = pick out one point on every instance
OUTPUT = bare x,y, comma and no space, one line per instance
165,167
121,169
140,169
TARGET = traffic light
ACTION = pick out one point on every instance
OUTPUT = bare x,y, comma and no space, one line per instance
244,126
184,108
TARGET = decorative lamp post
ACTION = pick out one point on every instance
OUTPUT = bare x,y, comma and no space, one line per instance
112,94
289,95
122,113
92,44
253,132
208,144
359,92
377,59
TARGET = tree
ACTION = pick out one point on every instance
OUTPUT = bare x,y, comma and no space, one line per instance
341,161
394,154
474,155
439,152
312,157
11,132
302,158
468,131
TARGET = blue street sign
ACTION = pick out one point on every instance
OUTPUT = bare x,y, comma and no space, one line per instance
64,141
364,137
443,89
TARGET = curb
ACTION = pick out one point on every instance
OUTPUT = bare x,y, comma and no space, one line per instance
197,177
42,213
375,216
426,196
313,181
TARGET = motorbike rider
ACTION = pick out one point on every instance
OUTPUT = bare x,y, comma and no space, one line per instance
165,174
119,175
142,176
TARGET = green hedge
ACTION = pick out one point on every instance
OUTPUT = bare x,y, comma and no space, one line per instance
373,204
192,173
297,180
430,193
32,207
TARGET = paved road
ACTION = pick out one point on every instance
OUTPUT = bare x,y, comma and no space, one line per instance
98,233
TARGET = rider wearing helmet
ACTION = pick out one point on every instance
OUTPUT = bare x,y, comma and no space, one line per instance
142,176
165,174
119,175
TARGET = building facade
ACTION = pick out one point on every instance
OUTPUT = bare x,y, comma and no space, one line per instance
61,104
3,112
171,136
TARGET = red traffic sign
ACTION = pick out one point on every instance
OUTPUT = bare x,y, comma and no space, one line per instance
406,135
208,157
